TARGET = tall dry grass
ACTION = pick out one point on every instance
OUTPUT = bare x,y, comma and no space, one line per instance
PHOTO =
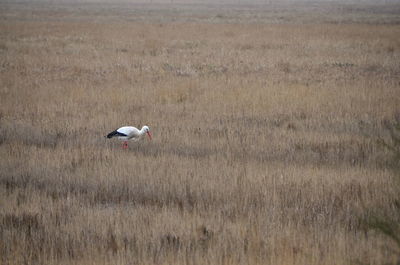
264,148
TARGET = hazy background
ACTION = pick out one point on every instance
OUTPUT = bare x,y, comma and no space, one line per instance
208,11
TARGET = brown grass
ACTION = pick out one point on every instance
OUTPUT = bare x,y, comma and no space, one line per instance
264,141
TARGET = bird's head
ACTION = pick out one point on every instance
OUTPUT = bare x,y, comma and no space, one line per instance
146,129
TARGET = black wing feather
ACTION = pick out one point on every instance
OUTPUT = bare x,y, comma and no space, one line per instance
115,133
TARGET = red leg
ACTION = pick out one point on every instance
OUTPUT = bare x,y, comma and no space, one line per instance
125,145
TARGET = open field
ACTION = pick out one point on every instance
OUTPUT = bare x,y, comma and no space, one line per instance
264,133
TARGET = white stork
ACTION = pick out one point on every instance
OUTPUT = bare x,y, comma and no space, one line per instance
129,133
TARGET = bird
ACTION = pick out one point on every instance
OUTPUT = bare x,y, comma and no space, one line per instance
126,133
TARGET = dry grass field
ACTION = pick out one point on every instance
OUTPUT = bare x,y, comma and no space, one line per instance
264,143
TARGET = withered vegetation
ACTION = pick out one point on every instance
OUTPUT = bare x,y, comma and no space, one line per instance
264,130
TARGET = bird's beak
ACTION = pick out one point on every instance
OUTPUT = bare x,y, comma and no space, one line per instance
148,133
